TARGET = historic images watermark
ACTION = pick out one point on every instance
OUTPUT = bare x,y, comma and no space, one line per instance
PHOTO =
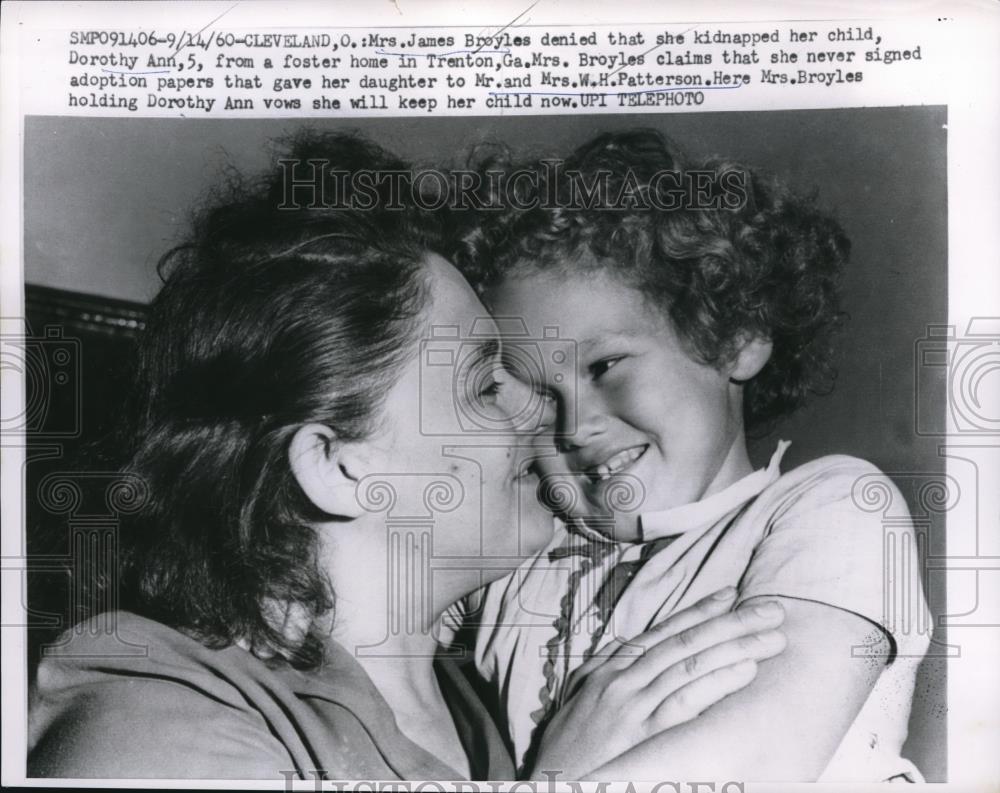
316,779
319,184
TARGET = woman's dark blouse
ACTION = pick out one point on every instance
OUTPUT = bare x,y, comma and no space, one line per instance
146,701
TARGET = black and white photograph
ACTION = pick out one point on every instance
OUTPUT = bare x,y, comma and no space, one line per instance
264,508
520,447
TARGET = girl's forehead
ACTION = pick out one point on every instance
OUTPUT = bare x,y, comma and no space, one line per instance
576,298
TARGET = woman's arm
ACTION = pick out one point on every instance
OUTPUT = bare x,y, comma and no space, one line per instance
637,689
788,723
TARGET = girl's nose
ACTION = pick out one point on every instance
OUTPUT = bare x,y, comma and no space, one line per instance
579,423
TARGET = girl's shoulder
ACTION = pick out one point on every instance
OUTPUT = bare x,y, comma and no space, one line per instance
841,483
835,466
837,530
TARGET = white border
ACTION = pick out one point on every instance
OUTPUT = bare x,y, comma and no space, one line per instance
969,84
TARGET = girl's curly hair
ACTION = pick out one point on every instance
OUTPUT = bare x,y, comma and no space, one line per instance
740,256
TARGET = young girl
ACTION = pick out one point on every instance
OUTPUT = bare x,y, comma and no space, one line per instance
700,301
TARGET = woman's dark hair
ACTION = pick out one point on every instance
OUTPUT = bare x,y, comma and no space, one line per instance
723,251
280,310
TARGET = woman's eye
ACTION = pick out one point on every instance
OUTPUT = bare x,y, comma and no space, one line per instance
489,385
490,389
600,367
549,410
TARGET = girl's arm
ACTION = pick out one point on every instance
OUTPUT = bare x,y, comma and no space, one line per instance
787,724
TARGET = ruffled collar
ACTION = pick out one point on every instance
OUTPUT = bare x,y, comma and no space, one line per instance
707,511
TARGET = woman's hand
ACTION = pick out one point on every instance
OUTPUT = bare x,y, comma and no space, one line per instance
633,690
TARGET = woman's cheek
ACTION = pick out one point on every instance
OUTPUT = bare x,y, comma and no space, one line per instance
535,523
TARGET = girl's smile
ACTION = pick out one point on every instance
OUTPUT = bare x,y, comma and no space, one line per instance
616,464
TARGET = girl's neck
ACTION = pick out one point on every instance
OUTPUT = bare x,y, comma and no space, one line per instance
735,466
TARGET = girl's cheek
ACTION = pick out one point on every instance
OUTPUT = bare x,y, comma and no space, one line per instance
641,402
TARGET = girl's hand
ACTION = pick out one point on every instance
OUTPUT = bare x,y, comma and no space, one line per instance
631,691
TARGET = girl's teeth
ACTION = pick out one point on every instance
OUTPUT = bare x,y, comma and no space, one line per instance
618,462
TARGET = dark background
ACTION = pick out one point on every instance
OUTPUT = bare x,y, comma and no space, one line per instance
104,198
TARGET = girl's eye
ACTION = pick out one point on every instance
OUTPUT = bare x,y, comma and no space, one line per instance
602,366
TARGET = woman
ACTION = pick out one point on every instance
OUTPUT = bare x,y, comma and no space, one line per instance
287,440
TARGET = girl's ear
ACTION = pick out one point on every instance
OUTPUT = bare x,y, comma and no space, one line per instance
327,471
753,354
